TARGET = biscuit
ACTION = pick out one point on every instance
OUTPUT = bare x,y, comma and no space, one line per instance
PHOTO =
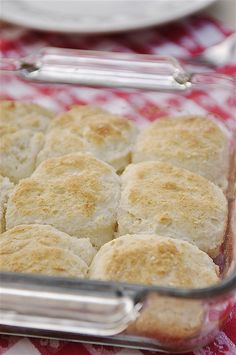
163,199
5,188
76,193
18,152
23,115
43,249
171,321
60,142
195,143
154,260
89,129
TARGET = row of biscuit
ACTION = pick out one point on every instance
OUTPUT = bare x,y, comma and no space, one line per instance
84,197
29,135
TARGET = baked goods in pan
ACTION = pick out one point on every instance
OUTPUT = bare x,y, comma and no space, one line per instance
89,129
69,204
195,143
154,260
24,115
5,188
76,193
44,250
159,198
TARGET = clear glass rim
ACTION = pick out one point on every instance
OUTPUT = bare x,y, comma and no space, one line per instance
137,291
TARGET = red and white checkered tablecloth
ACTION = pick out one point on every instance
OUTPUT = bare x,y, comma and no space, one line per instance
185,38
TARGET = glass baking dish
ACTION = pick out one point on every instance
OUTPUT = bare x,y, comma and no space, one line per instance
143,88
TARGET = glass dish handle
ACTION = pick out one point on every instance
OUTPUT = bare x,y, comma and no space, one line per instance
94,68
109,69
64,310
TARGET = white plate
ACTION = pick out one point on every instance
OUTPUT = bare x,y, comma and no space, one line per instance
96,16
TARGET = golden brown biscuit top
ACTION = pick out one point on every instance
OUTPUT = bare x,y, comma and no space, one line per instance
75,183
30,235
42,249
183,137
154,260
94,124
23,115
155,187
70,141
15,139
74,115
72,194
73,163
